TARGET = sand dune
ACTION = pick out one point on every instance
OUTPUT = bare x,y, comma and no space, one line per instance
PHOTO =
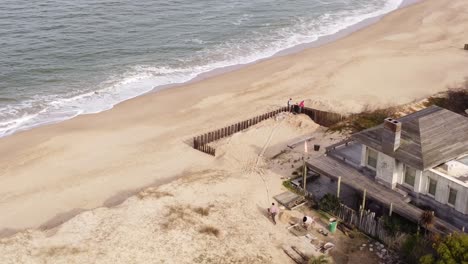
178,222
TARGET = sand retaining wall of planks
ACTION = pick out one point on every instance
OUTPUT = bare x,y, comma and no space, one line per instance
322,118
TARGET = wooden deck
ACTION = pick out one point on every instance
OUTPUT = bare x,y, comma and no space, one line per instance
332,168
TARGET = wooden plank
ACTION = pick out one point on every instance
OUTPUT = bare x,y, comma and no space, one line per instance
303,256
294,258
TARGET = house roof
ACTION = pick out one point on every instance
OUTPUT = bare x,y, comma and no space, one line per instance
429,137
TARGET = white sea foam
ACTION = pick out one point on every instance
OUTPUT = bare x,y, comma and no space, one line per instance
144,78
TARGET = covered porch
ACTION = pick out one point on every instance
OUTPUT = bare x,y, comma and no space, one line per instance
344,165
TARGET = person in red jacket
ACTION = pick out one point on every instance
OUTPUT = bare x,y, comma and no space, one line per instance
300,106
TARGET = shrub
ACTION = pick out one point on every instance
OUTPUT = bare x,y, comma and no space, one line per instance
366,119
396,224
318,260
202,211
451,249
329,203
414,248
427,219
455,100
210,230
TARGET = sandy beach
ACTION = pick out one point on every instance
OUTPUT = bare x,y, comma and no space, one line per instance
57,173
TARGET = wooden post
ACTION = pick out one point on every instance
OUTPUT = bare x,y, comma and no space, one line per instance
391,209
364,200
339,187
466,46
305,177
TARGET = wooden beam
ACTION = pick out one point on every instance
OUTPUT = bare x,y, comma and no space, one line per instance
305,178
364,200
338,187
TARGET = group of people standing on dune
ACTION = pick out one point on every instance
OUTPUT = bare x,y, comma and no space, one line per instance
297,107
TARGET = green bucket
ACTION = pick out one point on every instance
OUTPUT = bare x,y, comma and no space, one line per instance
332,225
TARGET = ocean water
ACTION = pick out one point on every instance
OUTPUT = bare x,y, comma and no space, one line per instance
63,58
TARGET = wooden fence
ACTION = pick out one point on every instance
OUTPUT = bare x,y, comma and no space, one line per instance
322,118
365,221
